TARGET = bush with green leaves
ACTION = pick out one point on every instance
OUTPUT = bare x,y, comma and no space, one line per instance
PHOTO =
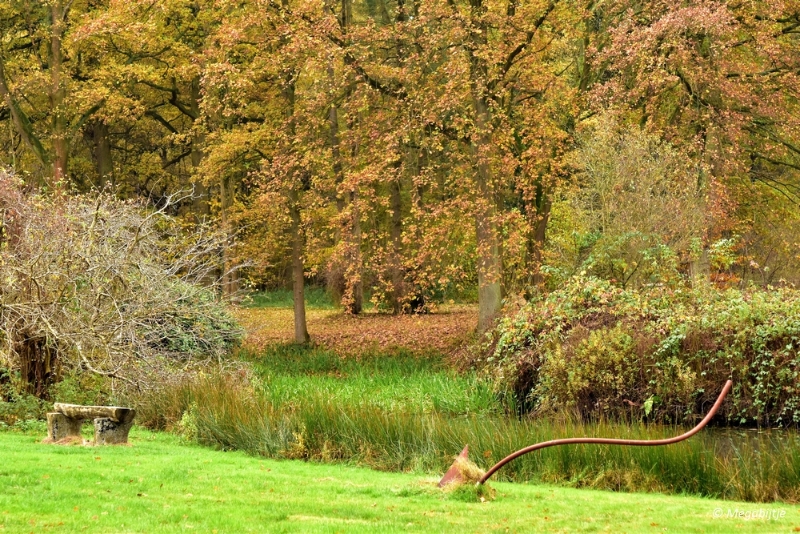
661,353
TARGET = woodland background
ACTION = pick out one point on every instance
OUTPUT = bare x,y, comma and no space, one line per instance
511,221
409,153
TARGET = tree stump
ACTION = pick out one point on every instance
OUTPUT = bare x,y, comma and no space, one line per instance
59,427
110,432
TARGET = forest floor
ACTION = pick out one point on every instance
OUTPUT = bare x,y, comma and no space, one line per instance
160,484
443,331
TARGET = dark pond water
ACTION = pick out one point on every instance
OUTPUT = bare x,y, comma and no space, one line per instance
727,441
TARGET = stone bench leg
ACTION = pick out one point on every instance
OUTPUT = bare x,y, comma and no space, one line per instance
109,432
59,427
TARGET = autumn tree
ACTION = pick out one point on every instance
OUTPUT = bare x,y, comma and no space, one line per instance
43,84
262,84
491,94
149,59
719,80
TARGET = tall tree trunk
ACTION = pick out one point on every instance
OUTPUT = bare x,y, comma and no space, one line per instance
396,235
488,239
101,150
336,272
200,200
57,94
344,281
230,278
297,235
298,270
486,231
354,282
536,240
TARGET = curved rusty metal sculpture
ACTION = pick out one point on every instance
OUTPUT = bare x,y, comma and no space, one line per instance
606,441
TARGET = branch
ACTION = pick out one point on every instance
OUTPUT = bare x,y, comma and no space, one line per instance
509,62
689,89
449,132
86,114
173,99
21,120
164,122
155,86
778,162
176,159
186,111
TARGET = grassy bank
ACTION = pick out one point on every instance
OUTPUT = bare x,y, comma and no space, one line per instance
161,485
408,413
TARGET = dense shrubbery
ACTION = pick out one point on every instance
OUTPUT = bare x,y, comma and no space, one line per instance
93,284
660,353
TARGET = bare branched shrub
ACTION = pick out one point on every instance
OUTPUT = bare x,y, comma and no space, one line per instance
641,204
93,283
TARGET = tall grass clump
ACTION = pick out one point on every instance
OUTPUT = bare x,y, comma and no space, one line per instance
288,405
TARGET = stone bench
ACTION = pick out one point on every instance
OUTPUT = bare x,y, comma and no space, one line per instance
111,423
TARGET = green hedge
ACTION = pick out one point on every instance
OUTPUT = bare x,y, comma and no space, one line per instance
662,354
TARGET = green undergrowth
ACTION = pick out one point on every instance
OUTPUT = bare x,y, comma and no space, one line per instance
404,413
159,484
319,298
400,383
660,353
315,297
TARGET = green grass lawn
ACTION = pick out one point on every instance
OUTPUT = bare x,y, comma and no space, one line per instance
161,485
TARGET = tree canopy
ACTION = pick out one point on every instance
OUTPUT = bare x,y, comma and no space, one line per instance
411,151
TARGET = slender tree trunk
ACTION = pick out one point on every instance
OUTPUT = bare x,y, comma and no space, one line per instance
229,274
356,305
101,149
396,267
200,201
297,236
57,94
298,270
336,271
396,274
